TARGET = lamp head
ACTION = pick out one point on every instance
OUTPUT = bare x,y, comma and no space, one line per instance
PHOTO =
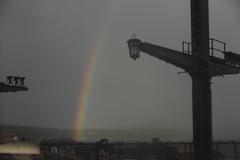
134,48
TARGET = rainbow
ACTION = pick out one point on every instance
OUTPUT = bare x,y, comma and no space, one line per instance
88,79
88,76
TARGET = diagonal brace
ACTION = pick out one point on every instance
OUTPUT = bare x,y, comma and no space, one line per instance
185,61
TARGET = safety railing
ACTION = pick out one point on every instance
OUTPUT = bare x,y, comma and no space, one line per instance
186,47
215,46
212,46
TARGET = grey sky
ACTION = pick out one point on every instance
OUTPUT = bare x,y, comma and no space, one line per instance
49,41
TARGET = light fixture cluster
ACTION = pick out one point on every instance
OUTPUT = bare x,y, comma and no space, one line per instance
15,81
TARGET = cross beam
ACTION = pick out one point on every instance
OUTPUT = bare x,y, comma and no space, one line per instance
201,67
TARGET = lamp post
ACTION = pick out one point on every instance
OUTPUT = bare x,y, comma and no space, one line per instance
201,66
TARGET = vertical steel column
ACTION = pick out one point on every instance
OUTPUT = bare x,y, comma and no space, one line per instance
119,151
217,150
201,91
235,150
202,120
200,28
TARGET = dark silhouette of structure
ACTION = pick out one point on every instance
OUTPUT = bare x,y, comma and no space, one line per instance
13,84
155,150
201,66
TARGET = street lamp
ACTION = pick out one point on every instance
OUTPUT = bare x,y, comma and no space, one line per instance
134,48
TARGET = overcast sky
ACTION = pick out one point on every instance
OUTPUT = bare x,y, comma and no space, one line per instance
49,42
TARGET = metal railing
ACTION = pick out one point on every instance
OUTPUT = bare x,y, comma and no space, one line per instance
212,47
187,46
